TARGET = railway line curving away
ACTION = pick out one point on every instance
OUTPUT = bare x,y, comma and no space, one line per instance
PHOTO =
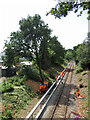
58,105
61,102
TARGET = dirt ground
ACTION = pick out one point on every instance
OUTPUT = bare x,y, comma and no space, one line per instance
34,85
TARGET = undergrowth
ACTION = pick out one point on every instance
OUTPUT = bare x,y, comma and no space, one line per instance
16,94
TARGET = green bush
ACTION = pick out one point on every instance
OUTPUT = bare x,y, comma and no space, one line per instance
9,114
29,72
16,80
84,73
78,69
79,79
6,87
19,98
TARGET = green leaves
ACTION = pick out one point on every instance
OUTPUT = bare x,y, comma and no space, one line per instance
82,54
63,8
56,51
69,54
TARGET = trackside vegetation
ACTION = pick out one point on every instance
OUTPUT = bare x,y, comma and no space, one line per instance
33,42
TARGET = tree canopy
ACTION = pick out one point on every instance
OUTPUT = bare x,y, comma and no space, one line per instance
81,53
33,41
63,8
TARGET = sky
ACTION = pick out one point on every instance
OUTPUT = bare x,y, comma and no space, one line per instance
70,30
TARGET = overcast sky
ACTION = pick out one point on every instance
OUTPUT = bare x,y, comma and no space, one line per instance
71,30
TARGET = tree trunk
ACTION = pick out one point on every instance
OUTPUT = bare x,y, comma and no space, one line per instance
42,79
38,64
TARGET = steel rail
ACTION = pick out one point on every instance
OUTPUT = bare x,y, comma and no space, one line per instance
36,106
59,97
38,115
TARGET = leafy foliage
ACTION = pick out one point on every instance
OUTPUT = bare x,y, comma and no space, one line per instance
33,42
63,8
78,69
6,87
8,115
82,54
29,72
79,79
84,73
19,97
56,51
69,54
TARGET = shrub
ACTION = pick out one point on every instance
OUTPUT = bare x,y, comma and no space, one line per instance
78,69
79,79
29,72
84,73
9,114
6,87
16,80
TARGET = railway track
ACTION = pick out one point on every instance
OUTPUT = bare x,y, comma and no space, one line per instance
56,105
57,108
62,104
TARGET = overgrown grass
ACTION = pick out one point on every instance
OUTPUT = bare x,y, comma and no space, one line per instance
16,94
18,98
9,83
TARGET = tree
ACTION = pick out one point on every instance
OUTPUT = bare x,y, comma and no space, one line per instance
69,54
29,40
63,8
44,54
83,55
35,33
8,58
74,53
56,51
